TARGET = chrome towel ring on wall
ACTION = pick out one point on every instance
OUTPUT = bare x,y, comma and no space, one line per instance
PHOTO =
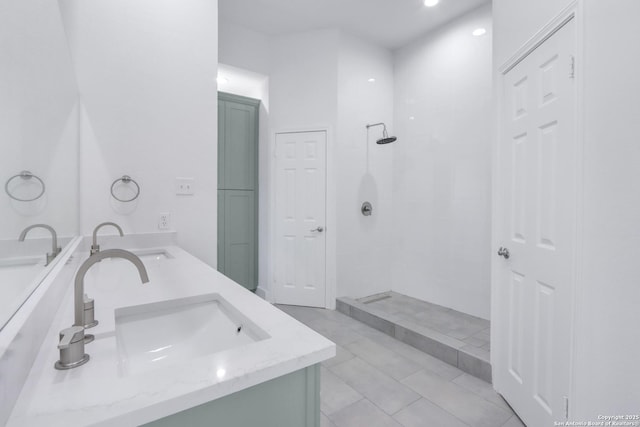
26,175
126,179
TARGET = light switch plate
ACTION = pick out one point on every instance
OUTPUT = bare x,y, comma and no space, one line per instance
185,186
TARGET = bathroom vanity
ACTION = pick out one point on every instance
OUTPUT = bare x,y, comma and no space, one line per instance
190,347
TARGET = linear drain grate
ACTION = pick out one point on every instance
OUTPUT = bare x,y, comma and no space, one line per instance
383,297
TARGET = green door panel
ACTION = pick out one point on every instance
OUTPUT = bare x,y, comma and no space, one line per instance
238,188
240,237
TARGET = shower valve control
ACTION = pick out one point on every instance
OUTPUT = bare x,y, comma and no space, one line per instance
503,252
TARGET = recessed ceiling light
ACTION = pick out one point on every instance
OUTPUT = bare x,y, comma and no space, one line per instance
371,80
431,3
479,32
222,80
412,118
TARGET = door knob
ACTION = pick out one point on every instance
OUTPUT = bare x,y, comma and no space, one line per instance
503,252
319,229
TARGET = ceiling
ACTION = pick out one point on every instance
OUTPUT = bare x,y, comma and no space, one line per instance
387,23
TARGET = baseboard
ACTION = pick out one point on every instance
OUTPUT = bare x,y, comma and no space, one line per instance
263,293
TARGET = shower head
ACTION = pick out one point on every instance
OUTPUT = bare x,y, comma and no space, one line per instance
386,139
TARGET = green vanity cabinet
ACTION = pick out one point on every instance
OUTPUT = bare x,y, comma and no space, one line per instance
292,400
238,188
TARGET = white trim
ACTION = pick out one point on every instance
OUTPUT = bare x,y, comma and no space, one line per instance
566,15
576,291
330,212
575,11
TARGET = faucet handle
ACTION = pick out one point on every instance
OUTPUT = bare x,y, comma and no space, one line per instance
71,348
67,336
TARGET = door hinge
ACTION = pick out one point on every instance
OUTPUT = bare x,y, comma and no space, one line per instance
572,67
566,407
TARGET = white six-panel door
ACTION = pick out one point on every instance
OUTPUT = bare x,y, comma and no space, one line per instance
300,215
537,204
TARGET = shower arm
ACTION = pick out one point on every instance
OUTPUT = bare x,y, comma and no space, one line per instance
384,128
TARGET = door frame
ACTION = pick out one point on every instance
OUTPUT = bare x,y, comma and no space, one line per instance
330,214
574,11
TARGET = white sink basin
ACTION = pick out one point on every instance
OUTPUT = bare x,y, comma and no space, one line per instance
149,255
156,335
153,254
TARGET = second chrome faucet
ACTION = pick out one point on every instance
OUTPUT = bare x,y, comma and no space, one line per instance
95,247
55,250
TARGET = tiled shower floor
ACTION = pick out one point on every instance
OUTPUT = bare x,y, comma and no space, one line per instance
378,381
474,331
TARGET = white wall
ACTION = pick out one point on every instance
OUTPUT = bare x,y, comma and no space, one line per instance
363,169
609,296
38,118
442,166
146,72
243,48
607,292
303,80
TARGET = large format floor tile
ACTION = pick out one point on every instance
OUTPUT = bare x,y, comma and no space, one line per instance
387,393
378,381
424,413
335,394
457,400
363,414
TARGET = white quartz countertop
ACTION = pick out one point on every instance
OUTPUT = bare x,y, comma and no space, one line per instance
100,393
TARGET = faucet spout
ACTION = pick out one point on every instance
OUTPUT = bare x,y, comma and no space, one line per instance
55,250
89,262
95,248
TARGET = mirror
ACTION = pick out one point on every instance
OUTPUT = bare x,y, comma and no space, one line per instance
39,145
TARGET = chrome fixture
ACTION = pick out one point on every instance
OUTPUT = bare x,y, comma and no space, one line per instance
503,252
126,179
84,307
318,229
95,247
71,348
55,250
25,175
366,209
386,139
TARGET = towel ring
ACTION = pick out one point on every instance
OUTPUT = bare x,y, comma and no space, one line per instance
125,179
26,175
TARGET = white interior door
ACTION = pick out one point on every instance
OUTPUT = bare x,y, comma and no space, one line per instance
300,214
537,204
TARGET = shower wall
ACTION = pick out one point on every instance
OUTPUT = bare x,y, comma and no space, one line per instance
364,170
442,166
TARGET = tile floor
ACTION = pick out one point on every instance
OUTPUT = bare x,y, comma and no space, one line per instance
376,380
470,329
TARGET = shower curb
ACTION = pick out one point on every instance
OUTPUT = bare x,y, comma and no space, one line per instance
434,343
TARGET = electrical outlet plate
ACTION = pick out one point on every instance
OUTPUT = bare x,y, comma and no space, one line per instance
164,221
185,186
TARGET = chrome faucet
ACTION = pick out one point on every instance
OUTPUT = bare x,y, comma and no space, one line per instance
55,250
72,340
95,247
81,302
